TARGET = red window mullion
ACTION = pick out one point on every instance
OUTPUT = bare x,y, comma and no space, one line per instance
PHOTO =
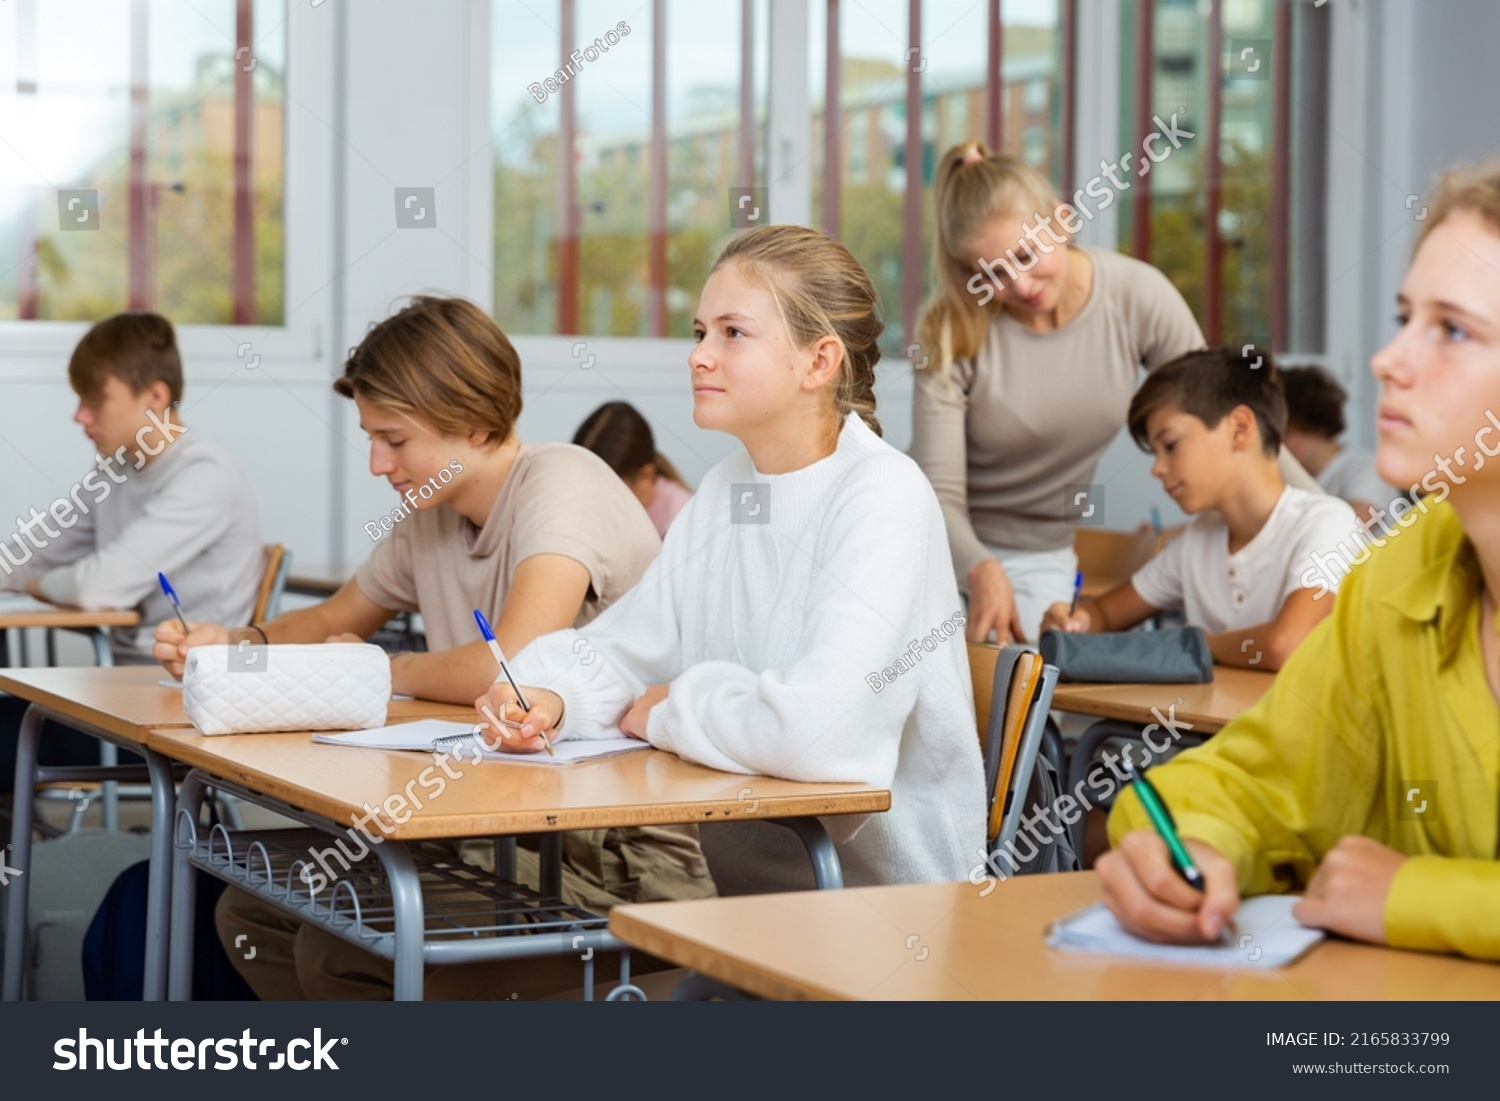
911,213
1145,61
833,118
994,79
747,93
243,277
1281,143
1069,91
27,292
141,278
567,188
1213,251
657,199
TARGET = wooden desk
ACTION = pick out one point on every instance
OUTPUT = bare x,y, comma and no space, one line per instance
946,942
1209,707
43,615
650,787
327,787
18,610
119,706
127,701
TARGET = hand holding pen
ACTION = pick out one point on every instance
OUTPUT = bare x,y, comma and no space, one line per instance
495,705
1166,888
1067,617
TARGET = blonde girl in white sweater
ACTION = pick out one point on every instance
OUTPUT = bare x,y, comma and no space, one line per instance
802,620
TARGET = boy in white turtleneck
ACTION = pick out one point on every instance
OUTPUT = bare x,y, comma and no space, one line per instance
808,567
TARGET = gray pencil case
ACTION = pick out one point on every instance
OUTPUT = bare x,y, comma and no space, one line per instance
1176,656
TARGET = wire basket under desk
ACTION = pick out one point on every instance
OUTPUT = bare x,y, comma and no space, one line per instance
469,914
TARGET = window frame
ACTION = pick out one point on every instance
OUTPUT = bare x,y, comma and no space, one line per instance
300,345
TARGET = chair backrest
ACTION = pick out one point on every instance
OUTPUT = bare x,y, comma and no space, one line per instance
278,563
1012,694
1109,557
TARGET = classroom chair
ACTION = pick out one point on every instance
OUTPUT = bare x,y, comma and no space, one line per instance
272,583
1108,557
1013,690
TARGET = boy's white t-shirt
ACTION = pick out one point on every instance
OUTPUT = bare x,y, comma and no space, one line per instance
1219,591
1352,475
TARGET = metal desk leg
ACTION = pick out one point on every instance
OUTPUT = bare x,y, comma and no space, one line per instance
505,858
505,868
109,754
550,852
408,913
827,873
184,889
19,856
158,885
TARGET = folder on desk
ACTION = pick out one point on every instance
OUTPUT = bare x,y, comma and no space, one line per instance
1267,935
459,739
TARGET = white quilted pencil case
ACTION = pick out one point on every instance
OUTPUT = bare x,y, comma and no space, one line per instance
245,689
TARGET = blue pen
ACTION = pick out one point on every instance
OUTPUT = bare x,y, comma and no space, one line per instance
1077,588
489,637
1156,519
166,587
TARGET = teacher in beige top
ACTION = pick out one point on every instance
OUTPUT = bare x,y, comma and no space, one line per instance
1031,350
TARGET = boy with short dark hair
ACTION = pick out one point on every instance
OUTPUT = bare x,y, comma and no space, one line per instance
1214,420
160,498
1315,421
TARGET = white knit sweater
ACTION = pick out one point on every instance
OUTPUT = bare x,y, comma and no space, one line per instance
771,632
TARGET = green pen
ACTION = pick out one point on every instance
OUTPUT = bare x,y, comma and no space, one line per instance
1161,818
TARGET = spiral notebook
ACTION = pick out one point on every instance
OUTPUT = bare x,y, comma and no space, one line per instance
459,739
1266,935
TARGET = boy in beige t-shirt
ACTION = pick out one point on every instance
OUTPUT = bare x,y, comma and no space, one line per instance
556,500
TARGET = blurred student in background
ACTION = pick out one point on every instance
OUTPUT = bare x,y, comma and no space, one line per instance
619,435
1315,405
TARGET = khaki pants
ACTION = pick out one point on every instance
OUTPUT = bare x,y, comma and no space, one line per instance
294,961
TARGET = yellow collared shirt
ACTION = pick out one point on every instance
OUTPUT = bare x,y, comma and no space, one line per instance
1382,724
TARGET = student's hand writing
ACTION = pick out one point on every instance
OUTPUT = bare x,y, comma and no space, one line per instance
1056,618
500,703
1147,896
1348,892
992,605
172,645
635,720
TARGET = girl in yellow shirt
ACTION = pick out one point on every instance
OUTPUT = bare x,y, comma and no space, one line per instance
1369,777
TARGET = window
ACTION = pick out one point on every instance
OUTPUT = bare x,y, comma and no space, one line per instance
951,56
143,159
1214,215
615,169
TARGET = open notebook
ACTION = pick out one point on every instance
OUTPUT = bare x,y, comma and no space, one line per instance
460,740
1267,936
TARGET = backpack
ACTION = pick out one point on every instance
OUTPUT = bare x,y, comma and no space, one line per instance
114,949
